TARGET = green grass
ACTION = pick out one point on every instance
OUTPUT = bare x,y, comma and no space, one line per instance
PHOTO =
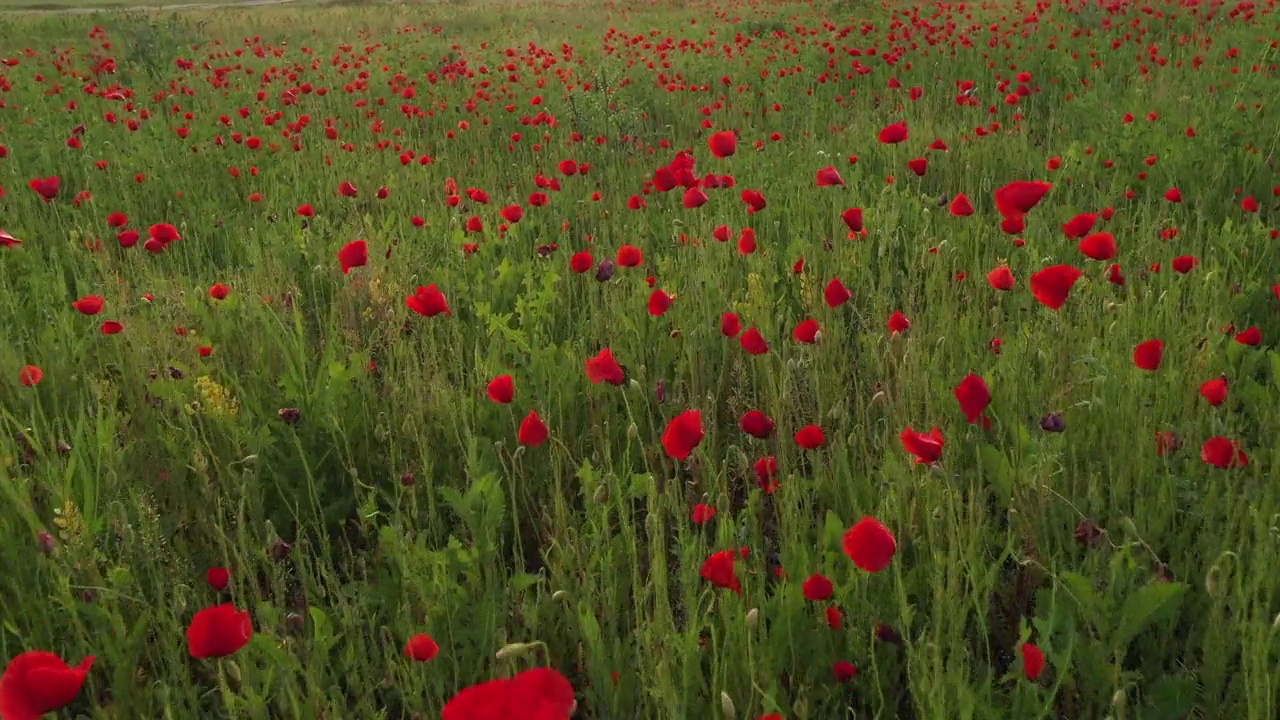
332,421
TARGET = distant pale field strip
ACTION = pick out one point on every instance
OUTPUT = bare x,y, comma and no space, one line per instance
88,6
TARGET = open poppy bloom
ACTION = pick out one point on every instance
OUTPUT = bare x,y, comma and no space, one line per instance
36,683
537,694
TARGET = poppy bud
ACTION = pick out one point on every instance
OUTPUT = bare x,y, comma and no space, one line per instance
1052,423
753,617
726,705
1211,581
63,447
660,392
407,479
279,549
295,622
46,543
559,595
515,650
234,679
605,270
601,495
1087,533
289,415
884,633
1118,699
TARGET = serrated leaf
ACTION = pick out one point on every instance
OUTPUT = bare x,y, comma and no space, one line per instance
1170,698
1148,604
1092,607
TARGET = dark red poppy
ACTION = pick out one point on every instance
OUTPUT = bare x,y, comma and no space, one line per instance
89,305
659,303
853,219
756,424
1032,661
46,188
218,291
1251,336
36,683
961,206
895,133
702,514
1080,225
898,323
1001,278
730,325
829,177
844,671
806,332
1099,246
219,631
218,578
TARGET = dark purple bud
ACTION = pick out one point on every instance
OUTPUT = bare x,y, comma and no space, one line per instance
1052,423
175,373
660,392
1087,533
407,479
46,543
295,622
884,633
604,271
279,549
291,416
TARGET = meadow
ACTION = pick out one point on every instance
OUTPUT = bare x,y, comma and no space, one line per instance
743,360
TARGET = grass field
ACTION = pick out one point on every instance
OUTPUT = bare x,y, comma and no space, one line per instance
730,360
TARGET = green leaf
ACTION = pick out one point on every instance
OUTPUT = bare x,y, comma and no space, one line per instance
1091,606
1170,698
1148,604
524,581
832,531
998,471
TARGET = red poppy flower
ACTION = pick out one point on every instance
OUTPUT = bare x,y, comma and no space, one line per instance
702,514
421,647
718,569
1032,661
756,424
501,389
974,397
870,545
844,671
817,588
1052,285
630,256
218,578
1099,246
603,368
111,327
36,683
895,133
1223,453
853,219
836,294
683,434
1215,391
1251,336
353,255
829,177
753,342
806,332
919,166
730,325
533,431
926,448
723,144
1080,225
1147,355
1017,198
898,323
7,240
218,291
1001,278
961,206
1184,264
219,631
536,694
46,188
766,470
89,305
810,437
428,301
